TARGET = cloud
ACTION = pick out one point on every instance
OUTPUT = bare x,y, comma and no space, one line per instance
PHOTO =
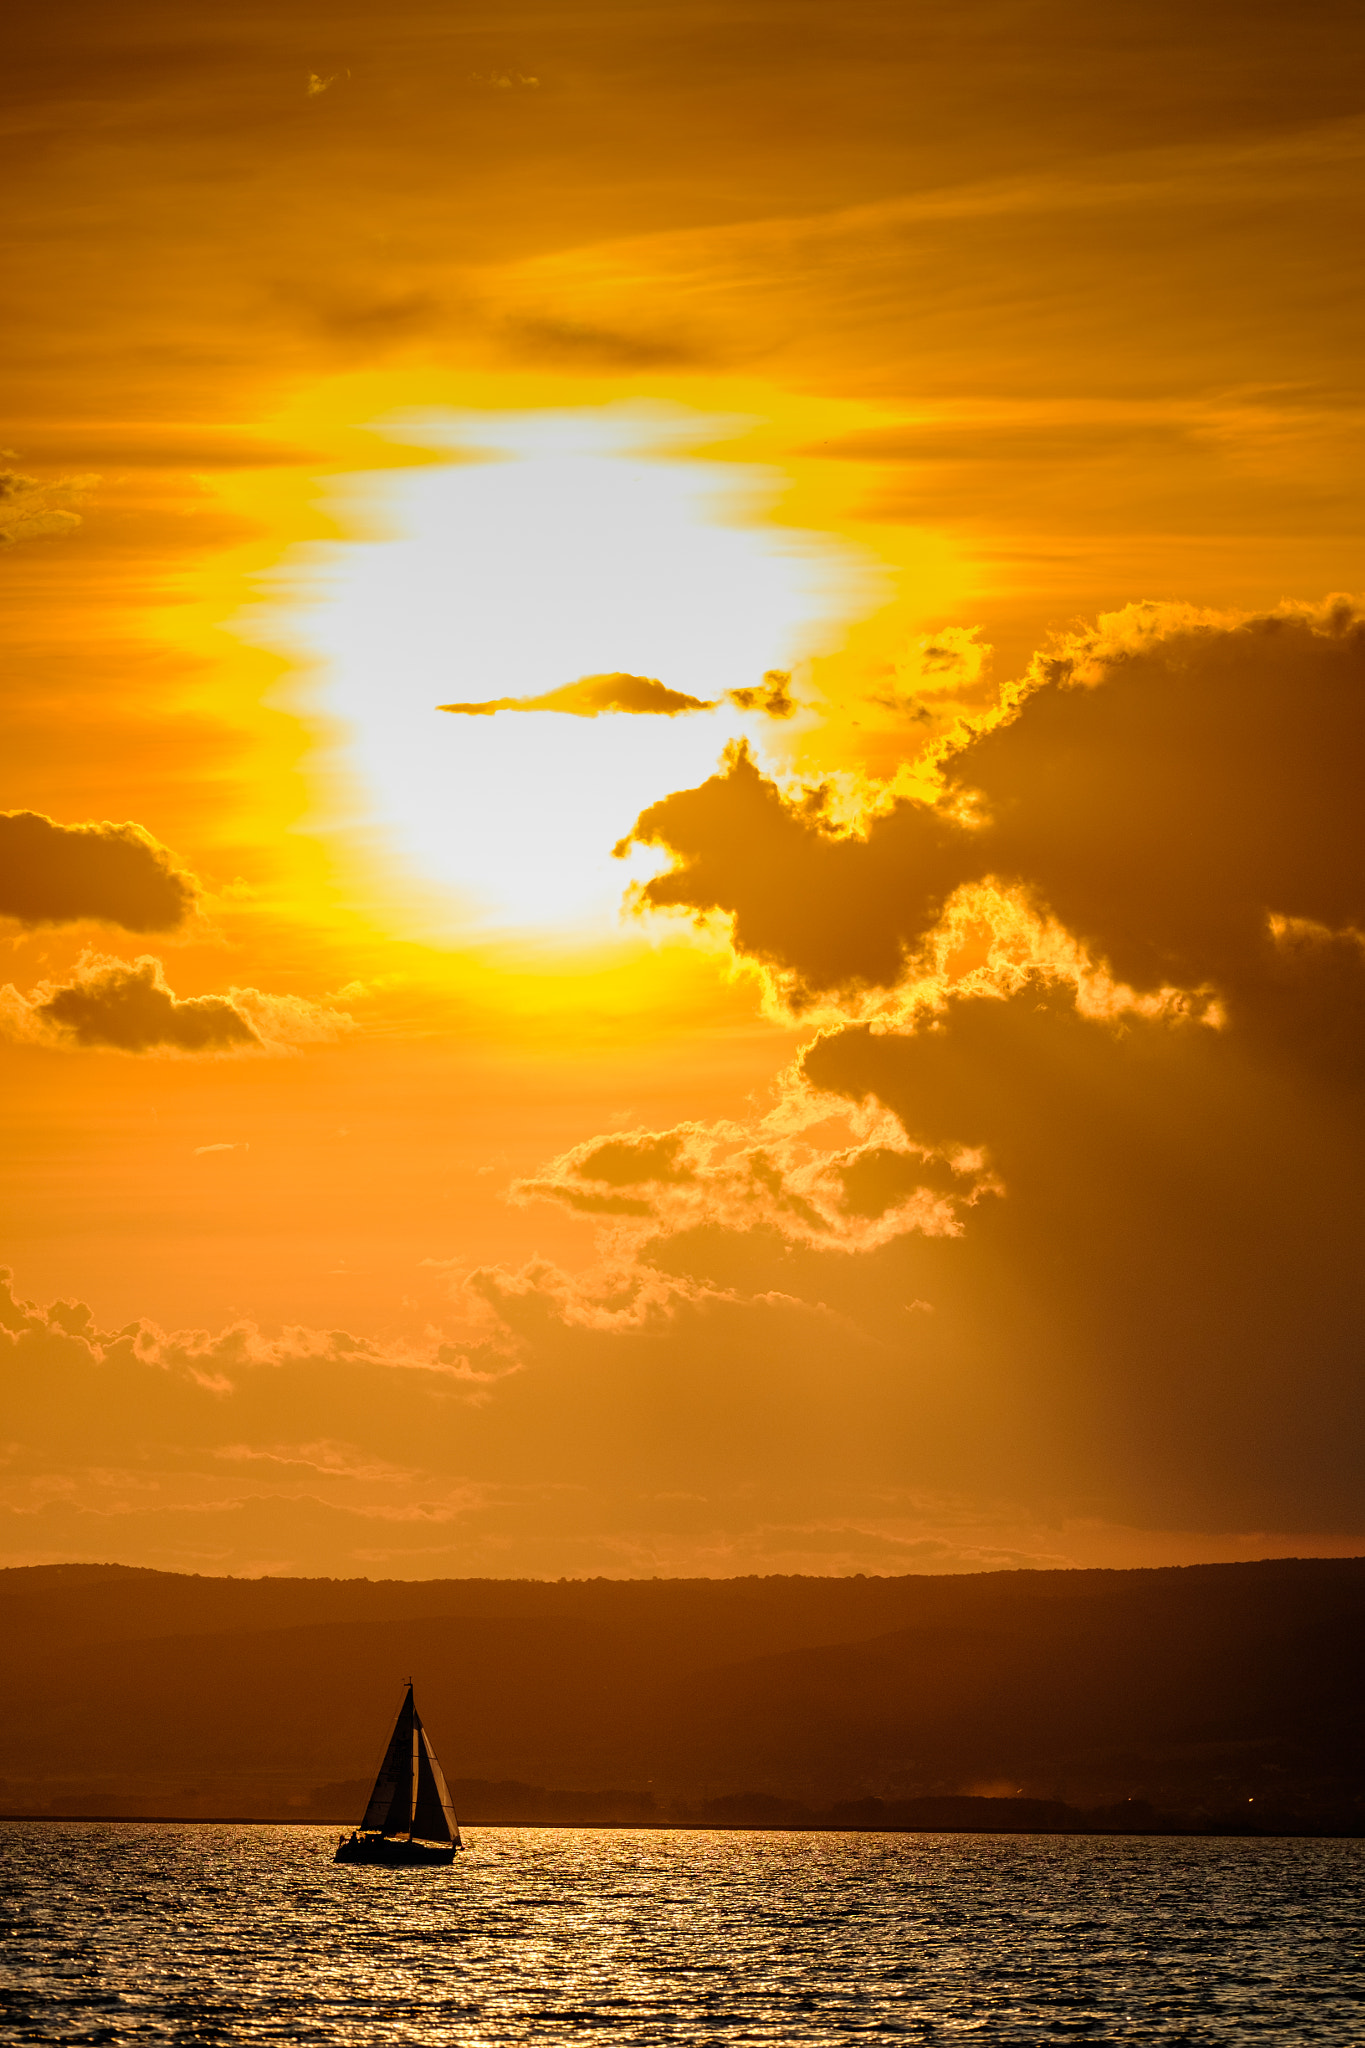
31,510
773,698
131,1009
590,696
613,1298
880,1177
127,1007
1115,1268
1074,1154
586,1204
644,696
1174,794
582,344
227,1359
293,1020
1181,793
810,1172
354,317
333,1460
825,910
1056,253
1178,1247
627,1162
677,1408
108,874
194,1387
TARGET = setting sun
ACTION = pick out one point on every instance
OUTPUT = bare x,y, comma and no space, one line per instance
548,547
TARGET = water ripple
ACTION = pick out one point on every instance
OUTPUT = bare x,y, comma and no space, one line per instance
124,1932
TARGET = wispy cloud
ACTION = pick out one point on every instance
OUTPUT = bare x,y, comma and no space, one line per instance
33,510
642,696
590,696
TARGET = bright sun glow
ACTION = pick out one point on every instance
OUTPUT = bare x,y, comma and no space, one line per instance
570,544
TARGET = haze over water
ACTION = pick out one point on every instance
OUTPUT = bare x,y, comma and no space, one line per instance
121,1931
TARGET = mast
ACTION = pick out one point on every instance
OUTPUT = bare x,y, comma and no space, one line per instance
412,1769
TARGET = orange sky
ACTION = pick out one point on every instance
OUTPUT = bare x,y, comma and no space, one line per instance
868,1081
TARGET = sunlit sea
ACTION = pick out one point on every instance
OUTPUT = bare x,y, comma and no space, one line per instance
122,1931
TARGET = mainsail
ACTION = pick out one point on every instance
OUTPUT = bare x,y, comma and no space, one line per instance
411,1798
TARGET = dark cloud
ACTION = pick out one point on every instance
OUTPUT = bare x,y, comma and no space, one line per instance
1169,796
590,696
127,1007
630,1162
878,1178
1173,1275
1153,1322
827,910
1154,1319
773,697
1181,795
130,1009
110,874
1231,753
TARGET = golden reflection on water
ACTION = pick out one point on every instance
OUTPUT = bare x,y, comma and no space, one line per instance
133,1932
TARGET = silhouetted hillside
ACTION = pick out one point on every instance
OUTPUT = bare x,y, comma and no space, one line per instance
1206,1688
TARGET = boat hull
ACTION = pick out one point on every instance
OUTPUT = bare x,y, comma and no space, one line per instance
394,1855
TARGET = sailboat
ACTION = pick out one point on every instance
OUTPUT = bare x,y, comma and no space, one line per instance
409,1819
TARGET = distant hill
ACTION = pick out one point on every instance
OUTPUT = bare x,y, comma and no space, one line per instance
1210,1690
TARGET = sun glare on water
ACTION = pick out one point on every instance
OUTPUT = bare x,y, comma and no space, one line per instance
551,546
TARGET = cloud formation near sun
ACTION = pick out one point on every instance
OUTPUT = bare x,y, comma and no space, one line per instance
108,874
1147,789
643,696
590,696
126,1006
1097,980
